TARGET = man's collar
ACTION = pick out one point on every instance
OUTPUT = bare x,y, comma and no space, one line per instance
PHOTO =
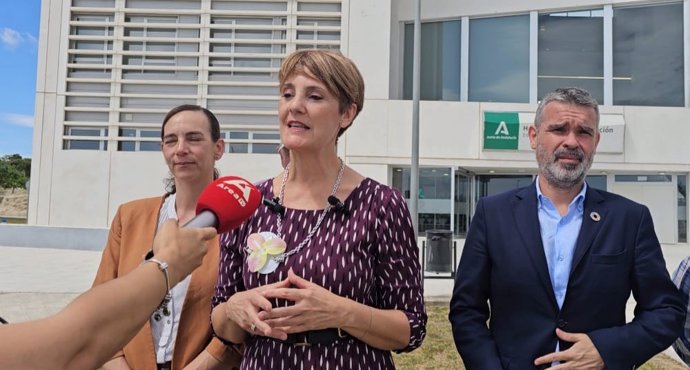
579,198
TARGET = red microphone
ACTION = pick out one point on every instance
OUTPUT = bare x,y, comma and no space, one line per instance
225,204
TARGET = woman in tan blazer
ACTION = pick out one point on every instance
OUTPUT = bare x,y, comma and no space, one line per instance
178,335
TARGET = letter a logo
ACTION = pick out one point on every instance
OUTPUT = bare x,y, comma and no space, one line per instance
242,185
502,129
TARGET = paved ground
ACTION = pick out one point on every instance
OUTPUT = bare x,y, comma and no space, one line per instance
37,282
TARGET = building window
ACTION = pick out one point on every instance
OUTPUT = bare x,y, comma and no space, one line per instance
499,59
162,89
682,209
91,31
316,35
138,145
95,73
154,103
318,25
316,22
85,138
264,142
260,142
266,119
163,4
440,61
92,17
90,59
236,141
170,19
434,196
91,45
88,101
94,3
141,117
138,73
268,104
648,55
77,116
462,204
496,184
250,6
597,182
159,66
643,178
309,6
88,87
571,51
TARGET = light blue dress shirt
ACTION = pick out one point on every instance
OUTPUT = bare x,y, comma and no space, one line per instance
559,236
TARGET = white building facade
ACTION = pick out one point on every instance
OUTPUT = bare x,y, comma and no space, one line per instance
109,70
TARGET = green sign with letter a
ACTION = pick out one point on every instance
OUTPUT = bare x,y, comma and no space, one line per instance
501,130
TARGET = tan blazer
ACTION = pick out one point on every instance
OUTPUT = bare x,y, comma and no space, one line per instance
131,236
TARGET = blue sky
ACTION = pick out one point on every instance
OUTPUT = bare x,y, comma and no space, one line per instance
19,25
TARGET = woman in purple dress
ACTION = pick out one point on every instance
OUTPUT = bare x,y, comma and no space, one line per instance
326,273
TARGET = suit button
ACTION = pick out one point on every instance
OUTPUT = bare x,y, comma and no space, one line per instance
562,323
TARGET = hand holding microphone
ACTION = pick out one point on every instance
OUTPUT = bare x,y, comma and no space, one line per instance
73,338
183,249
224,204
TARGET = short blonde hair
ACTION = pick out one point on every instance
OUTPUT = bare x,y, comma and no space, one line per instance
338,73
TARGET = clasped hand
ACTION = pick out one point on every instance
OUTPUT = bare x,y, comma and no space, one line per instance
314,308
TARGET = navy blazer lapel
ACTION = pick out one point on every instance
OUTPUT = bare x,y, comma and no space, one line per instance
594,203
527,220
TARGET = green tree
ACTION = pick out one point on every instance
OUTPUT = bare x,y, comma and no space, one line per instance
22,164
14,171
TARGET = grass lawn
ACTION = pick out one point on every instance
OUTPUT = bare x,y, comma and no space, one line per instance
438,350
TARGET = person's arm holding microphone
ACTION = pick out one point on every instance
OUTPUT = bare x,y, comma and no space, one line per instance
91,328
99,322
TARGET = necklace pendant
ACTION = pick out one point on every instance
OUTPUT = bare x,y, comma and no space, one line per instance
264,249
270,266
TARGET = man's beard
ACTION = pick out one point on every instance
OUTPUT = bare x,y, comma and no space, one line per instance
560,175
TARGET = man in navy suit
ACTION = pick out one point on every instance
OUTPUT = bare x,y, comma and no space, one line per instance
552,265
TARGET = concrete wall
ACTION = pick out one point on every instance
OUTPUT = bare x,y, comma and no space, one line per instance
656,139
85,188
53,237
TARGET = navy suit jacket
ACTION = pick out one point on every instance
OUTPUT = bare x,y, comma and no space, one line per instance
503,277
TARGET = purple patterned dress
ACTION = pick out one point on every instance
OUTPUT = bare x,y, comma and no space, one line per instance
370,256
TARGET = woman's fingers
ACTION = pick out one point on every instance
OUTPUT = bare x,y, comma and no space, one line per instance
281,312
292,324
278,284
244,307
291,294
297,281
259,302
259,327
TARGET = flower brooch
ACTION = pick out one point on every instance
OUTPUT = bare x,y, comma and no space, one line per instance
265,249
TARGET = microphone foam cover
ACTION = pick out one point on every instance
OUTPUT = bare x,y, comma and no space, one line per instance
232,199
